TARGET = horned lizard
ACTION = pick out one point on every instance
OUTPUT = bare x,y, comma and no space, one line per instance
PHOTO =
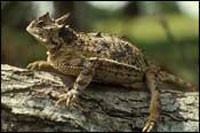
97,57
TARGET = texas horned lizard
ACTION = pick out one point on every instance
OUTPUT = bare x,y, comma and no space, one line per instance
96,57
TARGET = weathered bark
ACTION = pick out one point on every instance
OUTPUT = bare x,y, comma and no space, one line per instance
100,107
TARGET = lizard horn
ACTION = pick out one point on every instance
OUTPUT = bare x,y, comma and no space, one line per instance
63,19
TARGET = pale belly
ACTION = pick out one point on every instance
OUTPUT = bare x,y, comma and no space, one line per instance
118,78
105,72
107,76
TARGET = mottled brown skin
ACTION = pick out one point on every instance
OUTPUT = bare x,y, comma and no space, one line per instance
97,57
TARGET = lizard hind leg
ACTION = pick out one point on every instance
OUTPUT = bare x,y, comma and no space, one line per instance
152,84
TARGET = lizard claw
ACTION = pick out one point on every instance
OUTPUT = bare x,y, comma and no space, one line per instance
32,66
148,126
35,65
69,98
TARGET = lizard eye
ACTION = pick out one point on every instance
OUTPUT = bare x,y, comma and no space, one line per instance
40,23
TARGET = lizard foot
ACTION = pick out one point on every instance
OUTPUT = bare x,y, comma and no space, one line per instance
69,98
37,65
148,126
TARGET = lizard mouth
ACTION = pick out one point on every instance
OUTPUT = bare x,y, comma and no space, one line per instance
30,27
36,33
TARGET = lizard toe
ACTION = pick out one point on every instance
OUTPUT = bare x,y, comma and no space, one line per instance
148,126
69,98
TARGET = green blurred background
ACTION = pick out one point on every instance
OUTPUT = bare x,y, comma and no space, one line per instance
167,32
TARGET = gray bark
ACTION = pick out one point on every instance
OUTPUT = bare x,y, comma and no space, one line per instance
28,104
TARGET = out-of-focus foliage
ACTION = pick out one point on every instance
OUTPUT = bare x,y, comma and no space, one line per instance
174,46
16,14
17,47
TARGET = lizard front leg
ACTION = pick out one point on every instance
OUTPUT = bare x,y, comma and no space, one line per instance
42,66
82,81
152,84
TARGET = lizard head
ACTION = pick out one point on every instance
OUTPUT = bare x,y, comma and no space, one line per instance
49,31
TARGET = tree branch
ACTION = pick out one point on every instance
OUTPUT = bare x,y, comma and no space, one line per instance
28,104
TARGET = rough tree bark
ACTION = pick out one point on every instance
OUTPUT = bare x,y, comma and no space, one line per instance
27,107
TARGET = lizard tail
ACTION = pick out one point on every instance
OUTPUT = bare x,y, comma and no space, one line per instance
172,79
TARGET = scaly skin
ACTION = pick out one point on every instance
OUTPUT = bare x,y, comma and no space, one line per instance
97,57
